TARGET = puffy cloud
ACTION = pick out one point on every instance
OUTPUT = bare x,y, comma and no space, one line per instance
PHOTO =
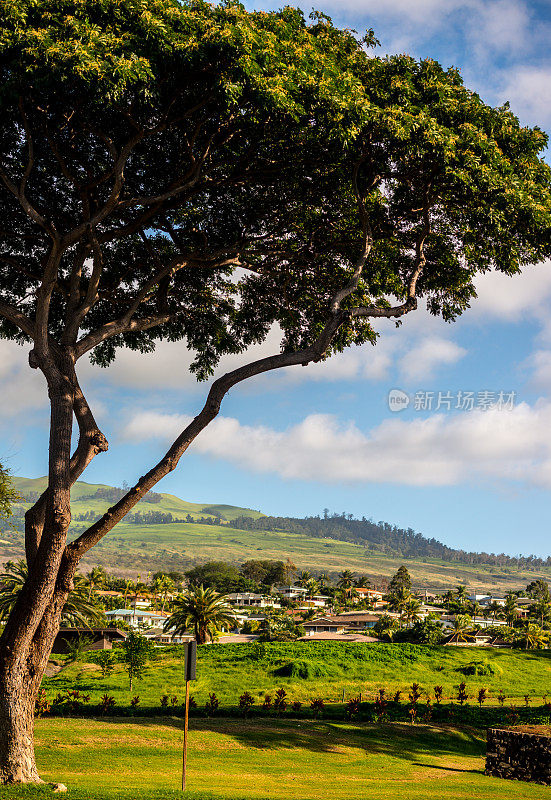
514,297
23,388
421,361
495,445
528,89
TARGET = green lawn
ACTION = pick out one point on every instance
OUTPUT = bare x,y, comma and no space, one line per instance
229,670
282,760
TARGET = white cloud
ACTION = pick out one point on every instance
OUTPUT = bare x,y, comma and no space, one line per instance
23,388
421,361
495,445
528,89
512,298
540,364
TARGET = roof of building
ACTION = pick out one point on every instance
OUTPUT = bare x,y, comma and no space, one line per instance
116,632
337,637
356,616
325,621
138,612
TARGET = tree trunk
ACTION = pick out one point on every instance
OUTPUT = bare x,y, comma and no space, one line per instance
17,699
33,623
20,678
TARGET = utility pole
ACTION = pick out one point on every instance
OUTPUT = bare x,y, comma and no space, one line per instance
190,669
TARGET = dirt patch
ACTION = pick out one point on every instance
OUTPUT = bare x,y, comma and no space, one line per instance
539,730
52,668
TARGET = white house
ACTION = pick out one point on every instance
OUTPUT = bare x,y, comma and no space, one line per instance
242,599
137,618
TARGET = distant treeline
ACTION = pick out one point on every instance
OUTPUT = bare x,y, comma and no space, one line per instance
114,493
150,518
383,537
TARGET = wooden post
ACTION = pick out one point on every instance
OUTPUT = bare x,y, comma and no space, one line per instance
343,695
184,756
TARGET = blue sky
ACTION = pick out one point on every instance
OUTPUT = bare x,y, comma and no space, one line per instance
324,436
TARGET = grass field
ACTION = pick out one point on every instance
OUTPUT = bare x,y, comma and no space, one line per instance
282,760
329,668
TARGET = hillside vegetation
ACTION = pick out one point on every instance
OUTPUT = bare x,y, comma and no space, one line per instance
318,669
314,544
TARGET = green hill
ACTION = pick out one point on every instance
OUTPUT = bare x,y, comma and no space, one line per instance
84,499
141,545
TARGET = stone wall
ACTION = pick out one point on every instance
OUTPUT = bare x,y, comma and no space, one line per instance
519,755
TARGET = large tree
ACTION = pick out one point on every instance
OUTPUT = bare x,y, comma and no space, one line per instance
180,170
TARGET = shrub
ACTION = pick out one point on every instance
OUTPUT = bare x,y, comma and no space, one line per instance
41,706
462,695
135,701
245,702
296,706
477,668
501,698
211,706
174,700
397,696
353,708
438,694
414,693
106,703
72,700
317,707
164,701
280,701
302,668
267,701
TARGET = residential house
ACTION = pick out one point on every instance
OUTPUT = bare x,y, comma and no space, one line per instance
323,625
98,638
243,599
136,617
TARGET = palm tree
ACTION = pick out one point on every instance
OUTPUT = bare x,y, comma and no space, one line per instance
323,579
462,629
461,594
363,582
399,600
410,609
79,610
495,609
542,609
312,586
346,580
96,577
303,578
534,637
201,610
511,608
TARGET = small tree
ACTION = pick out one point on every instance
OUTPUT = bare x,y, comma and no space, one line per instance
137,650
106,663
482,696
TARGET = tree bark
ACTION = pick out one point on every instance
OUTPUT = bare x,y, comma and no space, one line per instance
30,630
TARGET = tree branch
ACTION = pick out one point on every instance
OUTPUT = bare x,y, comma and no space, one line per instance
17,318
